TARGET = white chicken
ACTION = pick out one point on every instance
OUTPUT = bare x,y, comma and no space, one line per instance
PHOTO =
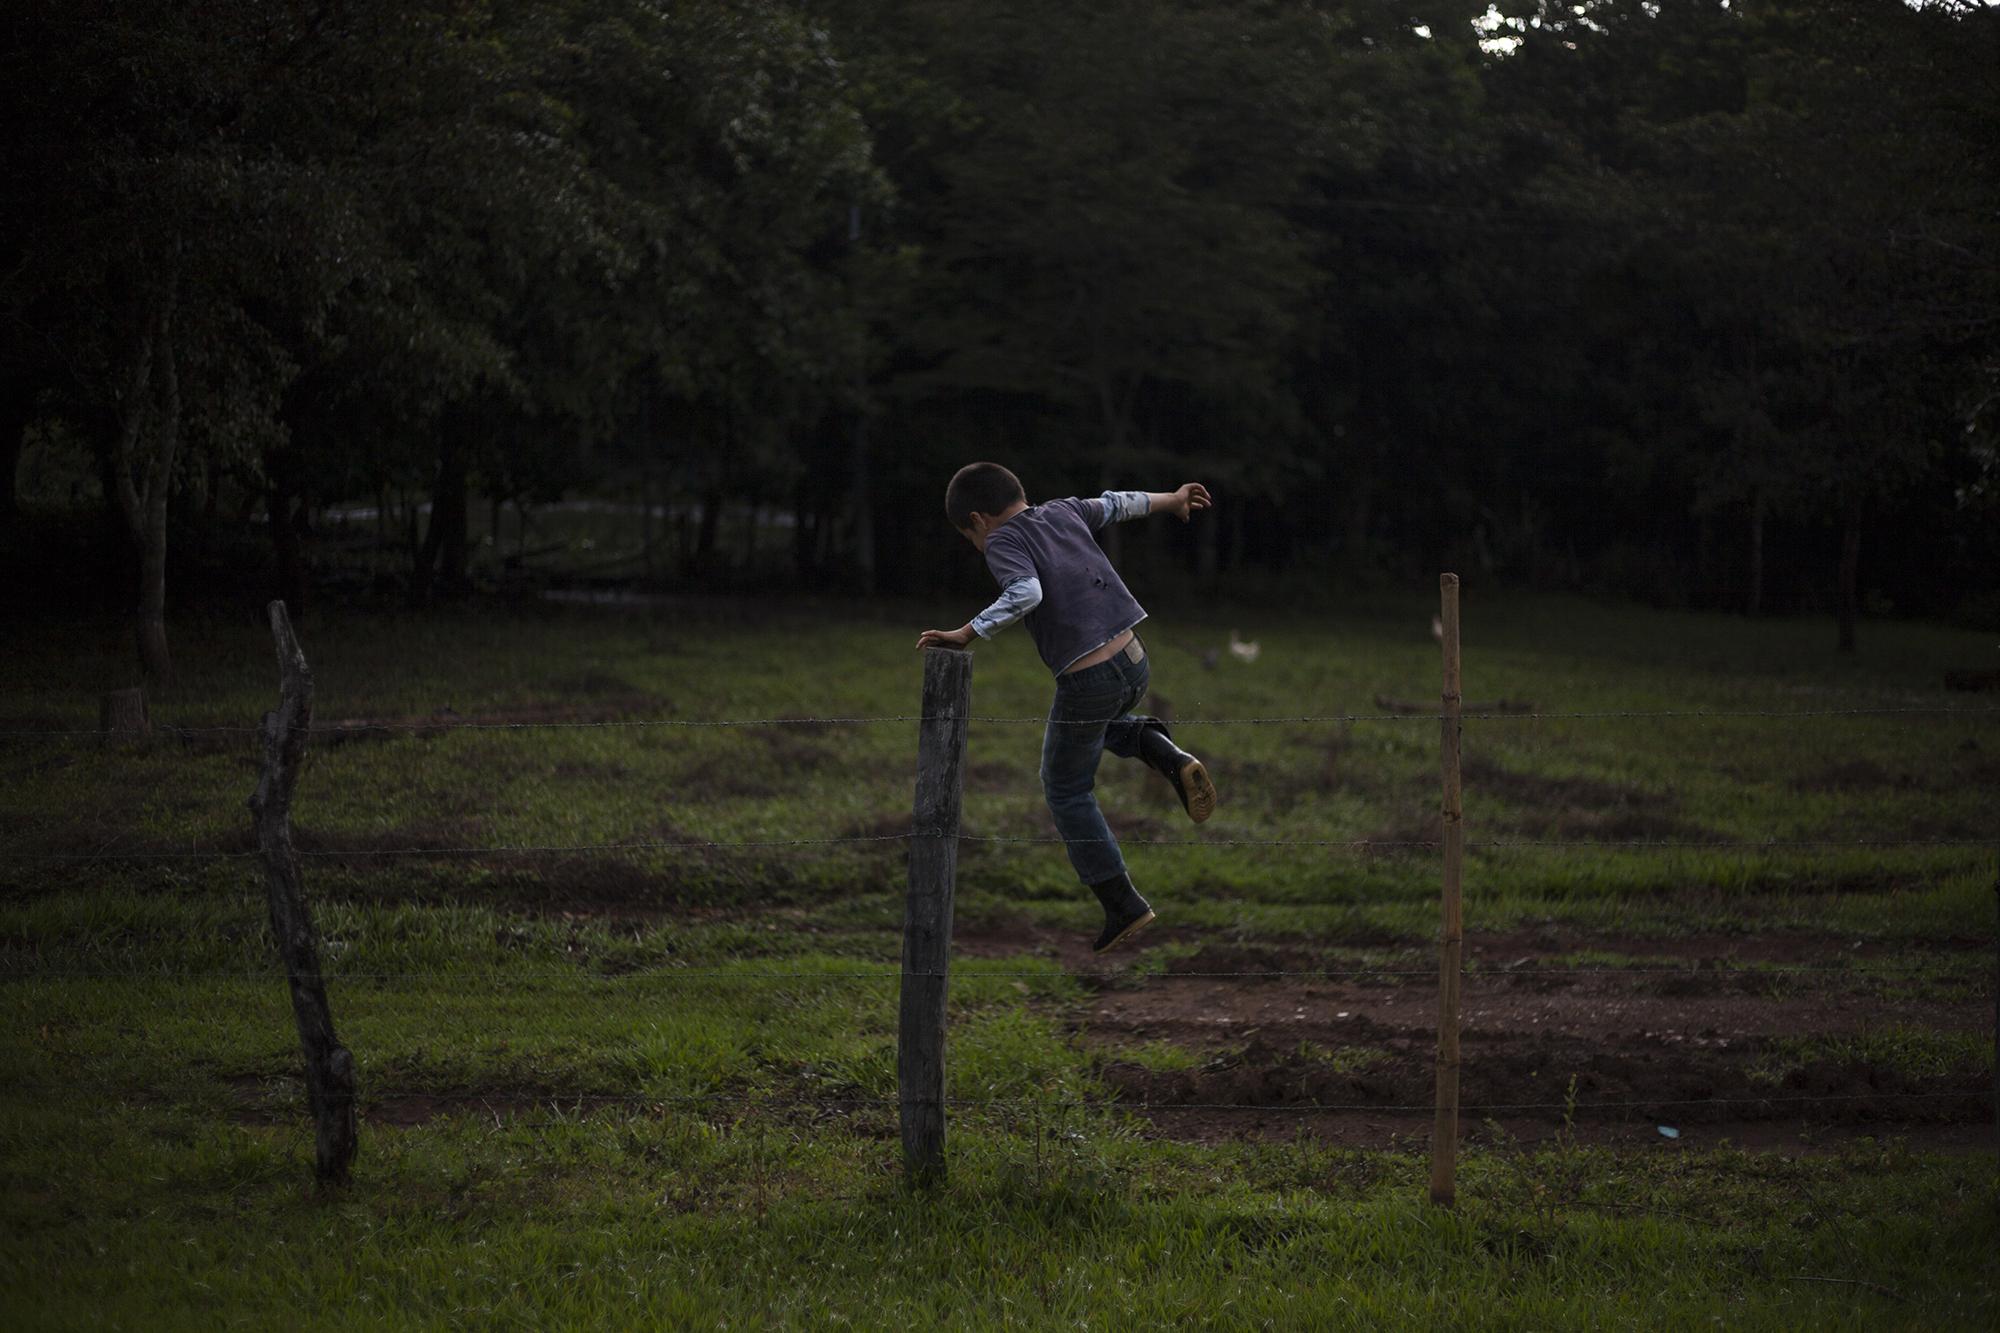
1241,651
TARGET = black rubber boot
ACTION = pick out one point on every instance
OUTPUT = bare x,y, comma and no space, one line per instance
1125,912
1190,779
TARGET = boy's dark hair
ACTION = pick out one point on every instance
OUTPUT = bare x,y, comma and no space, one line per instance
980,488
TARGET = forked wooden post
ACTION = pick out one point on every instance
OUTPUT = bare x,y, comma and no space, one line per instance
927,910
329,1066
1444,1131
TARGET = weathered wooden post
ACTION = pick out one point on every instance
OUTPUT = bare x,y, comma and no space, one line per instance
329,1066
927,910
1444,1130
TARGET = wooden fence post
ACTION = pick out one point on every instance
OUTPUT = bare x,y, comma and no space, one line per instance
329,1066
927,910
1444,1130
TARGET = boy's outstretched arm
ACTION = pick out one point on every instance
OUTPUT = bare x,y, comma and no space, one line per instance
1121,506
1016,600
1181,503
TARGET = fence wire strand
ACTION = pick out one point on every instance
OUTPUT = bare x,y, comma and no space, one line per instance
592,1100
1357,845
438,726
1124,979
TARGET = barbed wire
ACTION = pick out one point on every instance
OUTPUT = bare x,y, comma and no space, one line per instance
440,725
1358,845
488,1100
969,974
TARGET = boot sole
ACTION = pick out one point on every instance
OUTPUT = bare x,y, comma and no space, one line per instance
1197,792
1125,934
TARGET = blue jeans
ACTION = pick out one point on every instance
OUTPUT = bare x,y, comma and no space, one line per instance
1092,713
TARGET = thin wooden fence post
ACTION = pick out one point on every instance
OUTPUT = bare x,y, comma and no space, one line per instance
329,1066
1444,1131
927,910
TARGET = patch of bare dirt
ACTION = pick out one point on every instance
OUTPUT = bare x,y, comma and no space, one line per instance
1548,1079
1496,949
1693,1048
1598,1055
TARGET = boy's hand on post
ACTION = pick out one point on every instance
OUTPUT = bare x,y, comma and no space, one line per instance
946,638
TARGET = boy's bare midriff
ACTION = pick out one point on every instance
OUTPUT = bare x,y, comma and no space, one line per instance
1096,655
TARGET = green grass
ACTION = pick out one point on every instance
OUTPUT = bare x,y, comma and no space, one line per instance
663,1220
656,1085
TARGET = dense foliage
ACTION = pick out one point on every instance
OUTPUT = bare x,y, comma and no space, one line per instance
1690,299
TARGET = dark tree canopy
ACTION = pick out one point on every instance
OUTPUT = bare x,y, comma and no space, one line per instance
1675,298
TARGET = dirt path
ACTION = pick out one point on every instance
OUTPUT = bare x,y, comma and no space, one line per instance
1216,1047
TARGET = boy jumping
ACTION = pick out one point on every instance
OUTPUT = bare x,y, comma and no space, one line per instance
1052,573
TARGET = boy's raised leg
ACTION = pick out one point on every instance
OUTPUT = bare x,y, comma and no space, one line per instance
1187,773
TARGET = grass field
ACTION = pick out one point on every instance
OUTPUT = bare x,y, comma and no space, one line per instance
607,1084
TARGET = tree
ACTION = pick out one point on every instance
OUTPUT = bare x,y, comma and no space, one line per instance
1108,217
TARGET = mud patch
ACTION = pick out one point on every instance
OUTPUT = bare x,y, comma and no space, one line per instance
1283,1041
1551,1077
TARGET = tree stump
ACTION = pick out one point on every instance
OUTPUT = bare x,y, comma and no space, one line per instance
123,713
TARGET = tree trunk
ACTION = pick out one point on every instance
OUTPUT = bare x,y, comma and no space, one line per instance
711,519
151,621
1704,560
803,535
13,433
120,545
1360,517
441,561
864,505
452,495
1850,568
646,542
1754,602
154,659
285,534
1116,412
